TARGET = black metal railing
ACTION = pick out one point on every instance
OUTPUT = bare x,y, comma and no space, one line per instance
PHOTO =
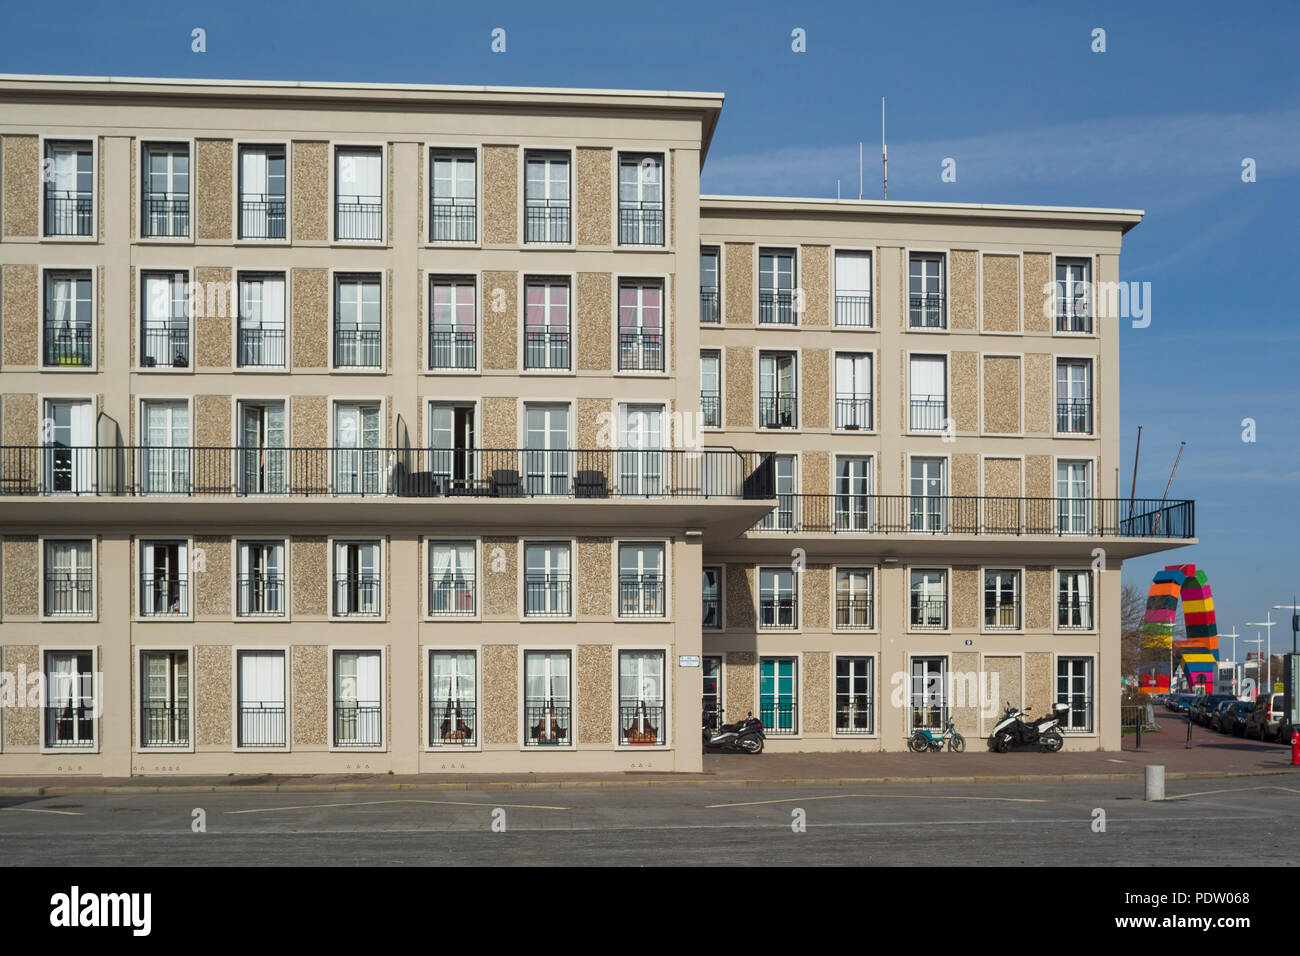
1074,614
641,224
68,345
451,348
69,213
711,612
1072,318
1074,415
786,516
640,351
453,221
260,595
547,725
853,310
546,220
780,718
853,512
358,218
164,596
261,347
641,595
925,310
357,595
857,716
452,724
262,725
451,596
642,725
358,723
853,412
546,348
853,612
924,613
165,347
710,409
357,347
710,313
547,595
778,613
166,216
262,217
926,414
777,411
1078,719
70,725
1001,616
69,593
165,725
776,307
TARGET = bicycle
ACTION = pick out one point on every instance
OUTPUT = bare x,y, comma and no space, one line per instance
924,740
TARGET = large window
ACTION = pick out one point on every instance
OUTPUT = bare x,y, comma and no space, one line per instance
69,446
1073,496
261,700
711,598
853,501
852,390
453,196
785,516
776,296
1074,600
69,578
453,699
547,699
452,322
711,388
69,189
165,320
358,194
68,329
263,457
853,290
929,693
164,699
854,598
453,465
928,599
926,291
547,456
165,455
263,197
1074,689
710,304
358,579
358,322
71,708
548,586
261,320
546,323
546,197
165,210
164,579
260,579
1073,295
711,673
1001,600
640,200
928,404
451,579
927,495
855,709
1074,396
358,699
641,458
778,695
357,461
642,713
778,599
778,404
641,582
640,325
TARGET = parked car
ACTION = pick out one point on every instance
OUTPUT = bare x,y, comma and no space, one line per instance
1265,717
1204,708
1178,702
1232,719
1217,712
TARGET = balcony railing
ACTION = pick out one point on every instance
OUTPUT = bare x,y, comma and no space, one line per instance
1078,719
710,314
1002,616
164,596
358,723
952,515
262,217
451,596
165,347
358,595
710,409
780,718
853,310
547,595
193,471
1074,416
641,224
546,220
853,412
68,346
69,213
358,218
453,222
776,307
642,725
70,725
853,613
452,724
451,348
711,612
69,593
357,347
855,716
925,310
1071,317
778,613
547,725
927,613
641,595
260,595
777,411
640,351
166,216
1074,614
926,413
165,725
261,347
546,348
262,725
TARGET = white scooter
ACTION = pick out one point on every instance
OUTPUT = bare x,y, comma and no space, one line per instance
1014,732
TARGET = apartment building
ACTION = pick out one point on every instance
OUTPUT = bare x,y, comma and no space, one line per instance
428,429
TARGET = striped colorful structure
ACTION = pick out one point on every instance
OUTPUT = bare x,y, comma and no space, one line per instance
1199,653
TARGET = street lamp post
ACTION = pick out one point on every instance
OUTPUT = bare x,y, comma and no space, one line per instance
1268,653
1289,700
1253,640
1236,665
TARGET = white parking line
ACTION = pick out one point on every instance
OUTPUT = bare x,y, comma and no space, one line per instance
66,813
372,803
1206,793
895,796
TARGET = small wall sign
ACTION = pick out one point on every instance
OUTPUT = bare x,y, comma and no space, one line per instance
688,660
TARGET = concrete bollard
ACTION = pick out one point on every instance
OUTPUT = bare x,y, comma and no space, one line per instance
1155,779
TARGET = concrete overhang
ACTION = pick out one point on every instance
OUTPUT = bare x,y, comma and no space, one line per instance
948,549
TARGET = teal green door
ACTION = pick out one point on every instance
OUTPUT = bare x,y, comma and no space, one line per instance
777,700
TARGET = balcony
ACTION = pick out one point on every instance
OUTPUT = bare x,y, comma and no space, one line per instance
925,311
776,307
853,613
853,310
927,614
262,725
358,347
165,346
547,724
452,724
262,217
69,213
853,412
640,351
1004,616
358,723
164,596
711,409
641,224
260,595
358,218
546,348
451,348
358,595
1074,615
777,410
641,595
164,725
68,346
69,593
261,347
451,597
642,725
1074,416
166,216
710,313
926,413
546,220
547,595
453,221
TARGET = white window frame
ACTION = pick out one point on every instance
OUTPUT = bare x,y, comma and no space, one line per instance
1091,674
873,665
142,164
241,543
260,275
458,153
945,687
1089,365
427,544
427,652
185,557
549,155
381,563
941,274
541,541
334,650
1057,627
664,728
142,274
47,140
1089,282
799,696
665,583
857,392
1017,593
141,682
456,281
96,697
237,178
722,596
638,158
237,696
869,292
946,580
571,741
778,593
871,592
548,281
335,148
912,395
47,273
44,542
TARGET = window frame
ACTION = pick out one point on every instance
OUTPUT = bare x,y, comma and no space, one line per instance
550,152
338,276
140,650
384,188
872,659
666,729
796,357
1091,659
46,141
548,280
137,593
380,404
666,582
1090,281
427,543
722,597
944,275
237,696
873,589
141,155
522,555
333,651
1090,363
46,274
97,694
431,150
238,542
870,396
381,543
946,416
427,652
571,741
797,658
873,324
1057,628
718,252
91,616
639,281
796,265
1020,599
946,686
143,272
946,626
796,625
237,179
475,279
242,275
719,354
664,155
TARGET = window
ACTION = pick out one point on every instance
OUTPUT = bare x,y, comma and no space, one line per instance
358,322
929,693
778,405
1001,600
929,600
547,584
711,673
711,596
261,699
547,458
547,700
164,699
929,395
164,579
852,390
68,327
710,311
853,290
854,606
926,291
1074,600
262,192
358,699
1073,295
263,457
452,452
165,434
356,449
166,202
453,196
546,323
640,200
452,322
711,389
641,695
641,584
778,695
1074,689
69,578
778,599
358,194
165,320
853,501
546,197
71,707
259,578
785,516
927,498
776,304
854,695
69,446
1073,497
1074,396
358,582
69,189
451,579
640,326
641,458
453,699
261,320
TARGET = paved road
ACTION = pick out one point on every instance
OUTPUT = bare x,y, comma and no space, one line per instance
1002,823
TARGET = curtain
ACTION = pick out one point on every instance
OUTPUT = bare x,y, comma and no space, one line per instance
261,678
359,175
440,568
852,273
254,173
546,677
927,378
641,678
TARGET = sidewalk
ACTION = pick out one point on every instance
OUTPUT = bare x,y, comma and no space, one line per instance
1211,755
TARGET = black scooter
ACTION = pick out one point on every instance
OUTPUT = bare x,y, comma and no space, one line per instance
744,736
1013,732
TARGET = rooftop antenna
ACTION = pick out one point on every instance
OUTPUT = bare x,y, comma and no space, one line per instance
859,169
884,150
837,190
1163,498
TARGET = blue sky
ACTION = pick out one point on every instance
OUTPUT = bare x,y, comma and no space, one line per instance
1161,121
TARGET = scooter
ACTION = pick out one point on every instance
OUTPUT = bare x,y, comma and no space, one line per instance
744,736
1013,732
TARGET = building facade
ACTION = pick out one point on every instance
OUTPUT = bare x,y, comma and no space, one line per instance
429,429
